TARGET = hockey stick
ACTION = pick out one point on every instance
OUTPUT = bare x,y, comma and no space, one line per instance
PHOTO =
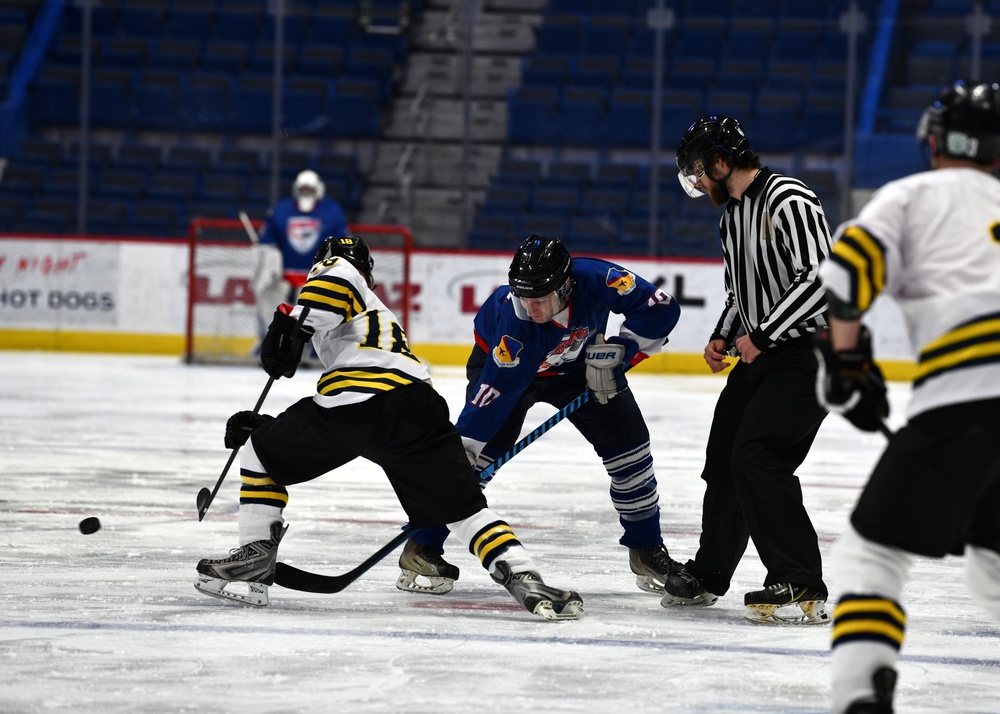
248,227
294,579
487,473
205,497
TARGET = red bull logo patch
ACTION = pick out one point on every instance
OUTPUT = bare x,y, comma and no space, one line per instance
621,280
507,352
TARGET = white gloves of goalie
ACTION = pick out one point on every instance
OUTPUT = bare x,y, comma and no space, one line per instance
605,369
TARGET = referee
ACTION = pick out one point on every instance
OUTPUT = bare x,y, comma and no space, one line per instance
774,236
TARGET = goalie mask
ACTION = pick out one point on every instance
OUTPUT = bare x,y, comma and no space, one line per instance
965,123
308,190
354,250
707,138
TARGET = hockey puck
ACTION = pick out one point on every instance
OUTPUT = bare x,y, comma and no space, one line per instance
90,525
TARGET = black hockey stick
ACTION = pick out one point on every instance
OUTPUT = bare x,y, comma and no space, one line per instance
294,579
205,497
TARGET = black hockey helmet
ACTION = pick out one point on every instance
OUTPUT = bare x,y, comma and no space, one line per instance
353,249
541,266
709,135
965,122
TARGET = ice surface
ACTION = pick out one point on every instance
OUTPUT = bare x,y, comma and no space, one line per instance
111,622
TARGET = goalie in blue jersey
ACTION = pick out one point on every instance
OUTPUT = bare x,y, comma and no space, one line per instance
543,338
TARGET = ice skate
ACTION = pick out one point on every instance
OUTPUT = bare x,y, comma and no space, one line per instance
537,597
252,564
786,604
683,588
418,560
884,680
652,566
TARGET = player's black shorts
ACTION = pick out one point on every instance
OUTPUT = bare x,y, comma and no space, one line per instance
406,431
937,486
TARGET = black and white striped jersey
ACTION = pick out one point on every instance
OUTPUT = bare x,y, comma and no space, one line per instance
773,241
932,242
358,339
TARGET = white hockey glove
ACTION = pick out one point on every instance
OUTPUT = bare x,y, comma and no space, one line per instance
606,369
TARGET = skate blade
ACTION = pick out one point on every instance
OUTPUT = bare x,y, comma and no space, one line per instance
256,592
810,612
649,584
569,610
703,600
407,582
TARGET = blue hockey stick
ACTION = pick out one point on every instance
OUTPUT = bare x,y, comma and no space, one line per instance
487,473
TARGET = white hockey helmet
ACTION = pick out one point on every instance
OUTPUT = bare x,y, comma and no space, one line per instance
307,190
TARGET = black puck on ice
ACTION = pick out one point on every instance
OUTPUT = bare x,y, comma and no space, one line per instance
90,525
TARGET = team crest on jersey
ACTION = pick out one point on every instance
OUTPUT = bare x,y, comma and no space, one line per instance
507,352
303,233
621,280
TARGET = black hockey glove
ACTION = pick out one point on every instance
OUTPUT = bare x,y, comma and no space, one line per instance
241,425
606,368
281,349
850,383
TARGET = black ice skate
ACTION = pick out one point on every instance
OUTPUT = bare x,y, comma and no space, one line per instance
884,680
786,604
684,588
537,597
418,560
252,564
652,566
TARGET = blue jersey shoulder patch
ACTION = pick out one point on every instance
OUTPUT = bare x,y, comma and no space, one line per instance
507,352
621,280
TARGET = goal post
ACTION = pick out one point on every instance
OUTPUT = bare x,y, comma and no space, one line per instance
223,321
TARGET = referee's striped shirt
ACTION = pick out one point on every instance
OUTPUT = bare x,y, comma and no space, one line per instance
773,241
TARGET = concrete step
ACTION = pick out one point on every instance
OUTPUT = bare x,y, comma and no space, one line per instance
440,118
444,74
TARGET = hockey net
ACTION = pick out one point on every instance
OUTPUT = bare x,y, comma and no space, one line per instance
223,317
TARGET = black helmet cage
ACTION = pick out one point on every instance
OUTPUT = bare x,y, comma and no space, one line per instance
353,249
541,266
965,123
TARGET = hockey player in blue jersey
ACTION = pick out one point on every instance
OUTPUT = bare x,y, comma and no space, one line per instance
542,339
297,226
294,231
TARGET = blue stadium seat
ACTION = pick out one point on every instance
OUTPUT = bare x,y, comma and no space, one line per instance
582,116
140,21
532,116
237,23
203,102
555,200
568,174
558,35
630,118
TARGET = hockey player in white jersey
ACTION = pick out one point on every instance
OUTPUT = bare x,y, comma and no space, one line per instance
374,400
932,242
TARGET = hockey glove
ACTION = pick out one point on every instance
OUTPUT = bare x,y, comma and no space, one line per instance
850,383
606,368
241,425
281,349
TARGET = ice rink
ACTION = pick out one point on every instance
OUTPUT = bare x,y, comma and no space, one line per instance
111,622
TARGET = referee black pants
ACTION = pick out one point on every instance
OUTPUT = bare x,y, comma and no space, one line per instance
765,421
